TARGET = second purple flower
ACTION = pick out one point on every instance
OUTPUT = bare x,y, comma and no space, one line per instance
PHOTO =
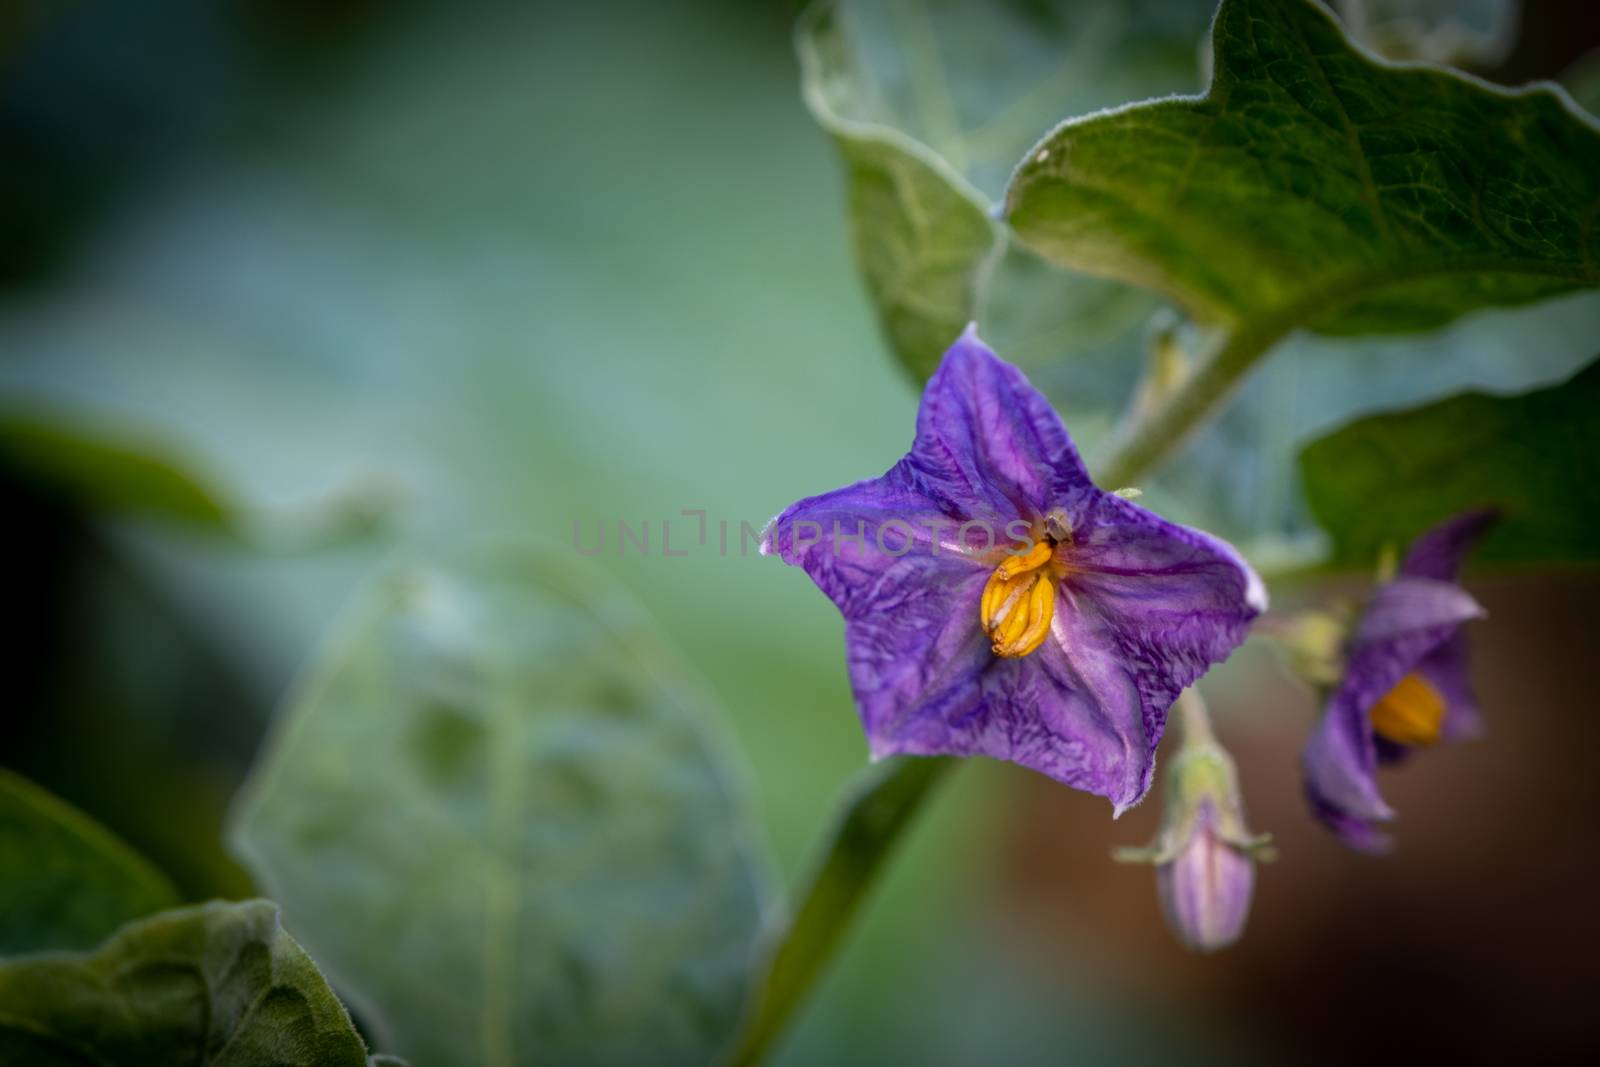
1404,686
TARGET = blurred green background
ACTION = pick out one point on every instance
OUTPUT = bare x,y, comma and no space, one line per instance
512,267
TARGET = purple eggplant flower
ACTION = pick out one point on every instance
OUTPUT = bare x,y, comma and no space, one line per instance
997,603
1405,684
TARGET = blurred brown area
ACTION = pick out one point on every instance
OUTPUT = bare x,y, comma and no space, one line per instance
1477,940
1551,35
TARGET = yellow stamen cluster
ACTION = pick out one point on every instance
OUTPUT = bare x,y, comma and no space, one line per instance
1412,713
1019,601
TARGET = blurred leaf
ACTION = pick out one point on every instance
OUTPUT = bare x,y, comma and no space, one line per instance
105,474
119,703
1536,456
1313,187
931,104
493,749
65,881
108,474
881,805
920,231
219,984
1237,477
1461,32
1582,80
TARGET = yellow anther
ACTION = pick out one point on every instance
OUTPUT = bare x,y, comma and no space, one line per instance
1014,643
1012,618
1019,601
1412,713
1031,560
994,594
1002,596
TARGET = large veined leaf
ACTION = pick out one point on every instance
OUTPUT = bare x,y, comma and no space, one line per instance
1535,456
874,73
219,985
931,104
65,881
497,821
1313,186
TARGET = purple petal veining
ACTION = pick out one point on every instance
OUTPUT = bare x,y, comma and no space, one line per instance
1142,608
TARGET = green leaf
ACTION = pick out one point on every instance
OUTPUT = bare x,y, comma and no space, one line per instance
105,473
1312,186
220,984
875,74
920,231
879,808
1536,456
495,817
1237,477
65,881
121,474
930,106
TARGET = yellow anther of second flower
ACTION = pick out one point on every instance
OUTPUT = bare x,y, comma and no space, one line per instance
1019,602
1412,713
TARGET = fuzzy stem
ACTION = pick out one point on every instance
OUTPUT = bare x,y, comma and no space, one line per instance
878,809
1153,433
1195,720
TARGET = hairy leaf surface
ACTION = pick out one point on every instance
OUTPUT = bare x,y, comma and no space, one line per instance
219,985
1313,186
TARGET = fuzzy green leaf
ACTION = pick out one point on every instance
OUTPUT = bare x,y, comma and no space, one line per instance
65,881
499,822
1535,456
1313,186
219,985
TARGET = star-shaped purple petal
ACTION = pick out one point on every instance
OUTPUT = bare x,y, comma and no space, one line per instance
1142,606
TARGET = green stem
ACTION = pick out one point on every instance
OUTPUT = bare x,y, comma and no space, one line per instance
880,806
1152,435
1194,719
884,802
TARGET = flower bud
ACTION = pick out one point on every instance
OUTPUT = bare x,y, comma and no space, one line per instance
1204,856
1205,890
